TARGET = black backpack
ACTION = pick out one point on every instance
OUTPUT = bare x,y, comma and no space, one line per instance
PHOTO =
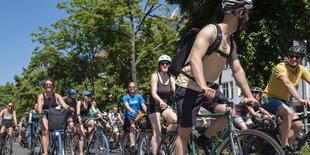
185,47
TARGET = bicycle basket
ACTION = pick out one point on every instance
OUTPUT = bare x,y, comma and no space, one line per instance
57,119
144,123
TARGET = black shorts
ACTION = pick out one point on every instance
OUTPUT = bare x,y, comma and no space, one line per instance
155,108
127,123
188,104
8,124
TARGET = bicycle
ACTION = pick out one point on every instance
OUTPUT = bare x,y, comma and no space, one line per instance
141,130
229,141
114,145
99,142
7,143
271,127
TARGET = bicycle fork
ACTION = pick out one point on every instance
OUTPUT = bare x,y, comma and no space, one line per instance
235,143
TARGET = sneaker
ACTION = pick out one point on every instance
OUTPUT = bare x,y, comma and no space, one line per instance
289,151
132,148
204,143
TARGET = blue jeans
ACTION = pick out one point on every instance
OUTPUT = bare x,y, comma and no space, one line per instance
31,129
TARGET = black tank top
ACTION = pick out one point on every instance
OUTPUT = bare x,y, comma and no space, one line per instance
49,102
71,102
163,91
84,111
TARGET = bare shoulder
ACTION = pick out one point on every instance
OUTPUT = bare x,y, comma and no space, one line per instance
208,32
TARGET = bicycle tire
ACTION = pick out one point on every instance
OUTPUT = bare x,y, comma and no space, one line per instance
167,144
101,145
8,145
144,143
69,143
252,141
126,145
36,148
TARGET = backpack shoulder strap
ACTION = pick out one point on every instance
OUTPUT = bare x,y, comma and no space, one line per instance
216,43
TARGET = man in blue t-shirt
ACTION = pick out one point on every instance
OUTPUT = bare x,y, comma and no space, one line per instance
132,102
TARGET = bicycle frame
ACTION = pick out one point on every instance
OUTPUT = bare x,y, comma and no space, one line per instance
228,131
56,135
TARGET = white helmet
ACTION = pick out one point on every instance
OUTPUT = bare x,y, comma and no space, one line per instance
164,58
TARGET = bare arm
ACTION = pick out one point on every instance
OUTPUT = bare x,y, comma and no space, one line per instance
40,103
128,108
290,87
30,117
78,110
144,107
14,117
203,40
61,101
240,77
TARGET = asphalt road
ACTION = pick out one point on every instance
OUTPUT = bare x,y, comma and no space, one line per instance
18,150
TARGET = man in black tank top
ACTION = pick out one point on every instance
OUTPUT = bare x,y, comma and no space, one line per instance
70,100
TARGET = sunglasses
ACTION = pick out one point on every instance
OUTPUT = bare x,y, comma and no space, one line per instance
294,56
48,85
165,63
10,105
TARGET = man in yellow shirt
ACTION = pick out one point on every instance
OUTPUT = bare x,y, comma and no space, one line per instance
282,83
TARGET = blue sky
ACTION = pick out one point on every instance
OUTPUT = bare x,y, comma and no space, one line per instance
19,18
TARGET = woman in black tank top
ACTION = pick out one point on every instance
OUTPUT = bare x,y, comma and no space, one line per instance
162,84
45,101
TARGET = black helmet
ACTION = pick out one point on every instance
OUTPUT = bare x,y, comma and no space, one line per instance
256,90
297,50
230,5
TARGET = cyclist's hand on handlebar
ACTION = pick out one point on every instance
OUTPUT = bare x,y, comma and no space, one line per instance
71,109
305,102
208,92
162,105
250,100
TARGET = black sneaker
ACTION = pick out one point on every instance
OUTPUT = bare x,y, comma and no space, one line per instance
204,143
289,151
132,148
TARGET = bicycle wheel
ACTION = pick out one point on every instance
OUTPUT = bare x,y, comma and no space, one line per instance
36,148
167,144
144,143
126,145
69,143
8,145
251,142
101,146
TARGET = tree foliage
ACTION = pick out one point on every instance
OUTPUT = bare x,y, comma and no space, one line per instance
268,35
90,50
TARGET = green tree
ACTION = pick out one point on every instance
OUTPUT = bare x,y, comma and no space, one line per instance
272,27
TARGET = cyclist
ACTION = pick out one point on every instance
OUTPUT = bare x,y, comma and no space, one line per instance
242,119
196,81
23,124
49,99
162,84
34,117
70,100
9,120
132,102
282,84
115,120
82,110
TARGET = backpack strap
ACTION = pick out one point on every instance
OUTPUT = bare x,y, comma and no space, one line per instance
214,47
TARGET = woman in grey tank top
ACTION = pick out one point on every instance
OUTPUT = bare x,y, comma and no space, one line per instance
162,84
